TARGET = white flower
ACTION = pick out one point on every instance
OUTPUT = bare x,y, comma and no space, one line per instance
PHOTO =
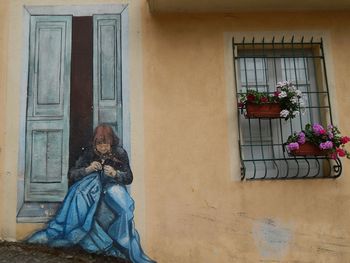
296,113
294,100
292,88
282,94
284,113
285,84
279,85
298,93
301,102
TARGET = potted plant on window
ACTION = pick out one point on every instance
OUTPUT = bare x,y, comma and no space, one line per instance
286,102
317,141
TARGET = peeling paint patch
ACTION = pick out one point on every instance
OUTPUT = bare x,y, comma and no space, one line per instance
271,238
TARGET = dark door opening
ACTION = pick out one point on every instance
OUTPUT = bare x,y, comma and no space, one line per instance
81,98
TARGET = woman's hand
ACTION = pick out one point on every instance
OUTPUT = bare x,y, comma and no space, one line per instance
93,167
109,170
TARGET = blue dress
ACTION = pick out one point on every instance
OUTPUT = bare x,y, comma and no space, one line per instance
96,214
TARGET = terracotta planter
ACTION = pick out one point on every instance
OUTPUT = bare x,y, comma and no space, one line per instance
266,110
309,148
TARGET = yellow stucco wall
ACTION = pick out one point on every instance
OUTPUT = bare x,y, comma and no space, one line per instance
204,214
189,204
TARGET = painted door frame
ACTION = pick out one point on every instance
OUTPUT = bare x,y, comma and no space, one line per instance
35,212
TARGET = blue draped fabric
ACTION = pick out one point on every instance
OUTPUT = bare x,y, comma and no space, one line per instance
97,217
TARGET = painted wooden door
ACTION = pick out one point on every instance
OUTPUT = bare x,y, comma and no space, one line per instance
47,123
107,72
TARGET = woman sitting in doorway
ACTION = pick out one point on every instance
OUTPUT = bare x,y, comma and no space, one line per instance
97,212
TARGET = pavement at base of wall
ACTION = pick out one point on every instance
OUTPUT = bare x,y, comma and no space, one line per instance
26,253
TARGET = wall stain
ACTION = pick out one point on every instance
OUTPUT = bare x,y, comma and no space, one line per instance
271,238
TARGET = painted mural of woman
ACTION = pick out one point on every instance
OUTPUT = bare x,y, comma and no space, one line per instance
97,212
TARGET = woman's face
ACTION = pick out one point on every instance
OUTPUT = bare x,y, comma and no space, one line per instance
103,148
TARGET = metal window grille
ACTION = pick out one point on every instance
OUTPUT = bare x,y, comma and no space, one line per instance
259,66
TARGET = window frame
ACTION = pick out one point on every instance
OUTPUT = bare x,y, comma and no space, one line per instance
334,167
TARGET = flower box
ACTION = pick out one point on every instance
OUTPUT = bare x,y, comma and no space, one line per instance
264,110
286,102
318,141
309,148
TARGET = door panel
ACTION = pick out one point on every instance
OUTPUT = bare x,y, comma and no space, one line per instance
48,66
47,126
46,156
107,71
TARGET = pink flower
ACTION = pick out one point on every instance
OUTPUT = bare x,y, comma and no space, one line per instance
293,146
301,138
326,145
318,129
330,135
330,127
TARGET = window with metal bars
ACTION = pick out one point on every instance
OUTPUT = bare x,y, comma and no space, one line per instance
260,66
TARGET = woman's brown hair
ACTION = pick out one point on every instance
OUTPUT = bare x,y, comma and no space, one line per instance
104,133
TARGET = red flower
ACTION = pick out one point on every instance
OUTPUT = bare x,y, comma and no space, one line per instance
323,131
264,100
276,93
345,139
240,105
341,152
250,97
